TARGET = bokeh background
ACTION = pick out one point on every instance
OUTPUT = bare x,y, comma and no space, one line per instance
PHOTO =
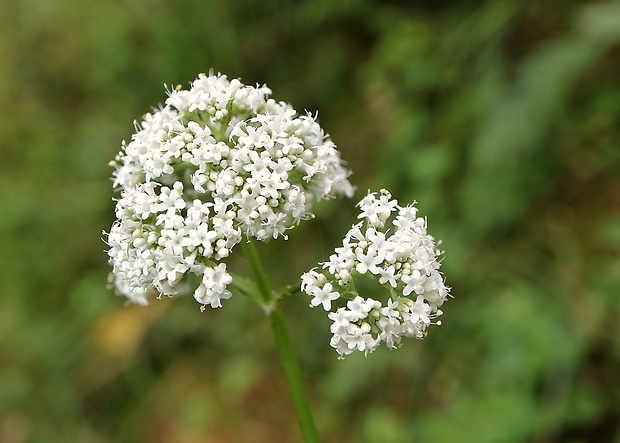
501,118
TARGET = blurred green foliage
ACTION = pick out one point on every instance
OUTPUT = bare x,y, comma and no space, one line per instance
501,118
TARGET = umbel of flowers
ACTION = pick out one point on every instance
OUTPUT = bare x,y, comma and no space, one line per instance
402,257
216,165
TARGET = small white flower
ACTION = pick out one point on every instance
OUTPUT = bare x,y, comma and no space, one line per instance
341,319
358,308
413,282
358,337
388,275
368,261
324,296
420,311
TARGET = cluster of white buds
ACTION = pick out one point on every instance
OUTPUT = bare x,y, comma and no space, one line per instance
404,260
217,163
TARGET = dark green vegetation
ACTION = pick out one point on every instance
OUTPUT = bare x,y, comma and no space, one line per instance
502,118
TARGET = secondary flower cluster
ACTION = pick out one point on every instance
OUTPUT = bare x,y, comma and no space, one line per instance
402,257
217,162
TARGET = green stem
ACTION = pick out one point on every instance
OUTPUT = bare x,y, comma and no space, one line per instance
293,377
284,346
256,267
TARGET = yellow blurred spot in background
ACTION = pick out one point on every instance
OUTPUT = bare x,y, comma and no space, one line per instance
119,332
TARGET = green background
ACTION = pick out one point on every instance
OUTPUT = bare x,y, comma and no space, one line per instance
501,118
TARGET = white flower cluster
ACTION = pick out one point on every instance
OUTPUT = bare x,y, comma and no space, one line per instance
404,261
218,162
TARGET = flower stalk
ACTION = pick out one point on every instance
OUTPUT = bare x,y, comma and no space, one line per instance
286,352
294,379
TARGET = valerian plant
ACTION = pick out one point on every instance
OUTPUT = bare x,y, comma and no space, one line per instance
222,164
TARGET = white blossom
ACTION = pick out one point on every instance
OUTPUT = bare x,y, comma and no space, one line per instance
402,257
217,163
